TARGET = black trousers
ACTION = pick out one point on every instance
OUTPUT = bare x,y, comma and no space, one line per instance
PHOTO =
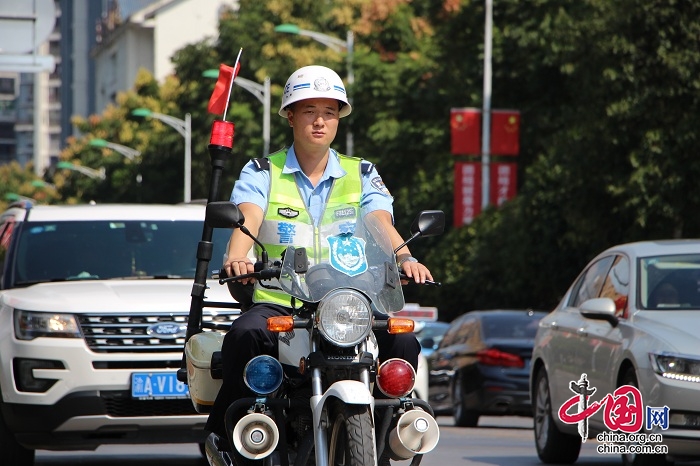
249,337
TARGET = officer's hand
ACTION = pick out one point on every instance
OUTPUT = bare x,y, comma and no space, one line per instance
239,266
417,271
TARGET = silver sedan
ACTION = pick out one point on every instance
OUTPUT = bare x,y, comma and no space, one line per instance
618,360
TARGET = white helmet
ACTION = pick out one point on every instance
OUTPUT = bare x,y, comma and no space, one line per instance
312,82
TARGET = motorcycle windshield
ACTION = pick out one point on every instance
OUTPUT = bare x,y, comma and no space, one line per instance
350,251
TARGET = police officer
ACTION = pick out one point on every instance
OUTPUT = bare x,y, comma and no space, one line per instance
294,185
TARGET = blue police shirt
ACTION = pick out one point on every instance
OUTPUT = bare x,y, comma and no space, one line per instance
252,186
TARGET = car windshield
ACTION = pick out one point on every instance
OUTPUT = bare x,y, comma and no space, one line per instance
670,282
434,330
92,250
510,325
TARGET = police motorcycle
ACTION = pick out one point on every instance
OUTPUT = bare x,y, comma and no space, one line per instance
315,405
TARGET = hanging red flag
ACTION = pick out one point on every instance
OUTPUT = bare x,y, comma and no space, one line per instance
465,131
222,90
505,132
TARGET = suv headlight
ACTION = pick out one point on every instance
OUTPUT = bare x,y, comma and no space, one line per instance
344,317
30,325
676,367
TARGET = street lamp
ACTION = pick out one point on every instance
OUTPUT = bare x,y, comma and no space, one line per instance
14,197
486,112
127,152
262,93
184,127
336,44
42,184
91,172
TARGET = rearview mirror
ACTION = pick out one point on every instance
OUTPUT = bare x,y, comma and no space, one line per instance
223,214
429,223
600,309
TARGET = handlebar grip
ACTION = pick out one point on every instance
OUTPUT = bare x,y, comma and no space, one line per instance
267,274
264,274
403,276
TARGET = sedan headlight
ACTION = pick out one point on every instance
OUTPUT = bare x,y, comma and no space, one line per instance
676,367
344,317
30,325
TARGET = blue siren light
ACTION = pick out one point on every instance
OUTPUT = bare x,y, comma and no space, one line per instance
263,374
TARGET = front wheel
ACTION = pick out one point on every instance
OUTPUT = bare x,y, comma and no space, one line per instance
11,451
350,442
630,378
553,446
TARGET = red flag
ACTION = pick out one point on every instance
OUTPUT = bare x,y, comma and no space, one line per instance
465,131
505,132
222,90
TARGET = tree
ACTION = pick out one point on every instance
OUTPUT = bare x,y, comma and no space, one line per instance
608,98
18,183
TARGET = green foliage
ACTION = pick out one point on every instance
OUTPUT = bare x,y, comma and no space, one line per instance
608,95
18,183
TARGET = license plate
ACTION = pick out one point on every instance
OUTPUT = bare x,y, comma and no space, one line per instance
157,386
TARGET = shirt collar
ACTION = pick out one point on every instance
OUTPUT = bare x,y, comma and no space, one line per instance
333,168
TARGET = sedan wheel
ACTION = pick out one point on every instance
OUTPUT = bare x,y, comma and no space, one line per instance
630,378
553,446
464,417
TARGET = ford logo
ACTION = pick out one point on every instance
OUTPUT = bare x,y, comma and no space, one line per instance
167,330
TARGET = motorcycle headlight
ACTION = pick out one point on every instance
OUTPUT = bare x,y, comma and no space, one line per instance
676,367
30,325
344,317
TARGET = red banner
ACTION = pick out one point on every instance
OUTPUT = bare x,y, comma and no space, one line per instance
505,132
467,192
465,131
502,182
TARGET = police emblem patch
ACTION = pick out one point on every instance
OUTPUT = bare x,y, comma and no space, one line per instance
321,85
347,254
288,212
378,183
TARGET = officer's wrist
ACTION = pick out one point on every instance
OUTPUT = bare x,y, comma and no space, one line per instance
407,258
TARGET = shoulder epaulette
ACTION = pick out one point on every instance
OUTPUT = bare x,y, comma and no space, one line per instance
366,167
262,163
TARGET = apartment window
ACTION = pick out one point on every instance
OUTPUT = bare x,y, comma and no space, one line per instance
7,131
7,86
54,95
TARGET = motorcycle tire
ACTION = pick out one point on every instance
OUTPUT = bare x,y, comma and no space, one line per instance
350,439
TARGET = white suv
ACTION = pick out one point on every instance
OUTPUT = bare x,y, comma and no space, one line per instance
94,302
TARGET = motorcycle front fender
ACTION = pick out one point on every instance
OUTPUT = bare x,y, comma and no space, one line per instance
348,391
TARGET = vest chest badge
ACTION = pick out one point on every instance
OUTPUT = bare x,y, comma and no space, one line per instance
287,212
347,254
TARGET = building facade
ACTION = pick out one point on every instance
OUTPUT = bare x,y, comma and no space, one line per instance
98,48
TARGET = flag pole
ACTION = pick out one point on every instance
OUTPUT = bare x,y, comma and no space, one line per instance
230,87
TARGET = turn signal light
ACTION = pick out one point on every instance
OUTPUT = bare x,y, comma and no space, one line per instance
396,377
280,324
398,325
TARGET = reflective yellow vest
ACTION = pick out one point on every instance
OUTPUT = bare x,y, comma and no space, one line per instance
287,221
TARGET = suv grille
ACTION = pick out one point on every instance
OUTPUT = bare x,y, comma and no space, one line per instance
120,404
111,333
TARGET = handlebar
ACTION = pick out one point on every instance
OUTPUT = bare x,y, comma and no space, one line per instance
263,274
274,272
403,276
